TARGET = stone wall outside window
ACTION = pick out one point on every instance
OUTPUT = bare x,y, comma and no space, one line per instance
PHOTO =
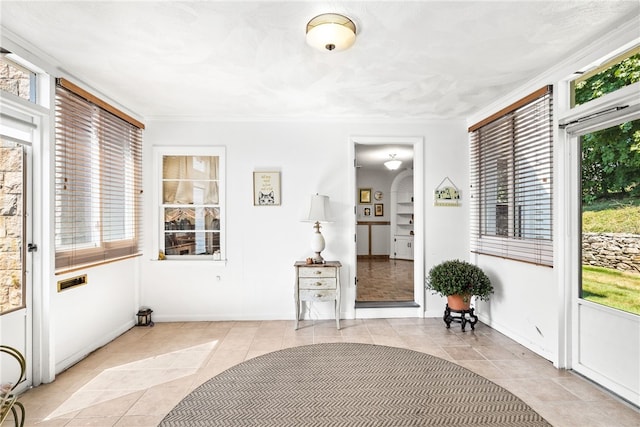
10,228
15,80
612,250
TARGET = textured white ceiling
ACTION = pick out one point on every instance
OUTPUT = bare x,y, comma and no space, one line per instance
241,60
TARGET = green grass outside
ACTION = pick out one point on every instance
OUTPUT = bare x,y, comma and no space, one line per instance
612,288
612,217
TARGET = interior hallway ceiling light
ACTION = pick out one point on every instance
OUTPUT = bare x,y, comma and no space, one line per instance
331,32
392,164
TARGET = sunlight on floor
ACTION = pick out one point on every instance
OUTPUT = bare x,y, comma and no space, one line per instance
141,375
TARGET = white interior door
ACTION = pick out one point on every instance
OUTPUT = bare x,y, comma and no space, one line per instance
15,250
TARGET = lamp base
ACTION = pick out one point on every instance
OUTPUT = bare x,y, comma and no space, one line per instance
317,244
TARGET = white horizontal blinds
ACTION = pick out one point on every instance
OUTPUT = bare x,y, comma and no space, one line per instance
98,183
511,181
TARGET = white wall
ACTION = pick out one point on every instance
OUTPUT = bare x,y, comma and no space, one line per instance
264,242
89,316
446,228
517,308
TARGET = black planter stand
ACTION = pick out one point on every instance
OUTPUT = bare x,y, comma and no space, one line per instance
460,317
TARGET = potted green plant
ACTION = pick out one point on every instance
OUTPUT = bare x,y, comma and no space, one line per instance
459,281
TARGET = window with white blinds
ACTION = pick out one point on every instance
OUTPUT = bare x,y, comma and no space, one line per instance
98,180
512,181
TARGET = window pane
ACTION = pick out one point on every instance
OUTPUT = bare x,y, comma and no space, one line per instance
180,192
12,291
611,217
191,243
200,219
618,73
190,180
511,177
190,209
98,183
16,79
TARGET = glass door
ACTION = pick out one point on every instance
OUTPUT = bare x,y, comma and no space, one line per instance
606,339
15,289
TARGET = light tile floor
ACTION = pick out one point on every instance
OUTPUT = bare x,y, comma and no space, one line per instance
139,377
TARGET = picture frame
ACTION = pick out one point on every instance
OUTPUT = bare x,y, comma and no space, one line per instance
378,209
266,189
365,196
446,194
366,211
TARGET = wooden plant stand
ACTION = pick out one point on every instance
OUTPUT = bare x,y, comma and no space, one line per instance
460,316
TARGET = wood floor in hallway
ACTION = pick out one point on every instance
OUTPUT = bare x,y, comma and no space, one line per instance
384,280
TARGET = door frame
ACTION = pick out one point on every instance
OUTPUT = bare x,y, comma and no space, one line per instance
21,128
581,315
417,142
37,313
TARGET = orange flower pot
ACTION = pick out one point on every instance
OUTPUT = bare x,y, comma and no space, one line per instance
459,302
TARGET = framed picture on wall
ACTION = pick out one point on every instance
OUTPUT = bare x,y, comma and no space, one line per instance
365,196
378,209
266,189
366,211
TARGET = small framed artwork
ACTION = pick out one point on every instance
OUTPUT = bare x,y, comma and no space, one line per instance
266,189
378,209
365,196
366,211
446,194
378,195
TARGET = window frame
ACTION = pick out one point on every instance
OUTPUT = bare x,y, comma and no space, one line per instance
594,70
518,243
159,225
98,148
12,60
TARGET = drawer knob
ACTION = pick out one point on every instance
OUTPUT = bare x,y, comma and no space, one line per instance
318,272
318,283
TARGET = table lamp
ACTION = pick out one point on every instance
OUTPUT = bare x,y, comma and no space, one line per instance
318,212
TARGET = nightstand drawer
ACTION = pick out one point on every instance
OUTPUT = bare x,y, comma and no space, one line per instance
317,272
321,283
317,295
317,283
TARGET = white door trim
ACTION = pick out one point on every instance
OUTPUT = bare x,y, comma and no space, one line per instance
419,238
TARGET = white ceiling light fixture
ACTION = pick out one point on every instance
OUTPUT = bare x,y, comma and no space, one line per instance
392,164
331,32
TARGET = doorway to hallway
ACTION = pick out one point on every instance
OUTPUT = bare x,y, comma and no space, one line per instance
384,280
388,250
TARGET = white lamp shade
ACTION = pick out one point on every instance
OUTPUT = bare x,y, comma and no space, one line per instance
319,209
331,32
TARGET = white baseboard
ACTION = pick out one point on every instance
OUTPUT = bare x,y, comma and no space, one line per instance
105,339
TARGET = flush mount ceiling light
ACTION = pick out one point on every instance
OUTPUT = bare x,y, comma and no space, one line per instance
331,32
392,164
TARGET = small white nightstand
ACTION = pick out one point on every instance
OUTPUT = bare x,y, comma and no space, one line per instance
317,282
